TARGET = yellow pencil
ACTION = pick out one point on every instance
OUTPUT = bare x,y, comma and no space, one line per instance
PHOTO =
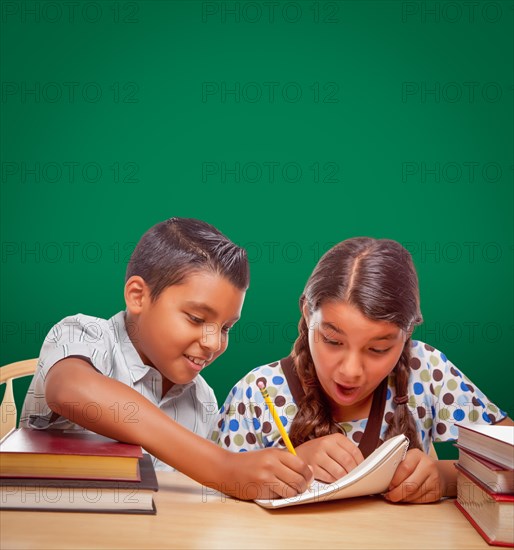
276,418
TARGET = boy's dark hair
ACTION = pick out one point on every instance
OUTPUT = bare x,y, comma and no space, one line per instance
377,277
171,250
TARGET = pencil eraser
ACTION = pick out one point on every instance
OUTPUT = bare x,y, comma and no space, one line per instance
260,384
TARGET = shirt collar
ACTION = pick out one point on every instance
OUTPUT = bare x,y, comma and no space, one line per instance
134,363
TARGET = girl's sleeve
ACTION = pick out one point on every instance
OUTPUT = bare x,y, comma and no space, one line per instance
244,422
453,398
238,427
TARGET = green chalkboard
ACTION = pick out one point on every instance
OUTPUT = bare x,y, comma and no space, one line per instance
288,125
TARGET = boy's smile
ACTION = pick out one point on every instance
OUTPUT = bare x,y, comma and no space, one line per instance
186,327
197,362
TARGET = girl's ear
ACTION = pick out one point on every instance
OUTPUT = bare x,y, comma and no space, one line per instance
136,293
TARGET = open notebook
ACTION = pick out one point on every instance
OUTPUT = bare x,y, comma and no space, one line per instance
370,477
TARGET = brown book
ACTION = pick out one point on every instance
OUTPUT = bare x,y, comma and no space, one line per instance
490,513
79,495
59,454
498,478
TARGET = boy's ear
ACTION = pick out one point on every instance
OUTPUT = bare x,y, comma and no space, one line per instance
136,293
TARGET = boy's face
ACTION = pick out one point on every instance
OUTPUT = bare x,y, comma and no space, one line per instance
186,328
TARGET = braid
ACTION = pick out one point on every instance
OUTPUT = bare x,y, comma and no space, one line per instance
376,277
402,421
313,418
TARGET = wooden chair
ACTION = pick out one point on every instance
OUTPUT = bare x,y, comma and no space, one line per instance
8,412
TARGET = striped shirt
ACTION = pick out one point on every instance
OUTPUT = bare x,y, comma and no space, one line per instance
106,344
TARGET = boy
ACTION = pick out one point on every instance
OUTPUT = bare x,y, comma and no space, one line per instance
136,378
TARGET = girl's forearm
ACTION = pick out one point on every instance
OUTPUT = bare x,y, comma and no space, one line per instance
448,477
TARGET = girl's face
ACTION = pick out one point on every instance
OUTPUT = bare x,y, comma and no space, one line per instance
186,327
352,355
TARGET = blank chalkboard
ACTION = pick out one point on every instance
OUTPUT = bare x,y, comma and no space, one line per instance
288,125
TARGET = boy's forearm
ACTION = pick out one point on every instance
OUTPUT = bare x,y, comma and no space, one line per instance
75,388
72,385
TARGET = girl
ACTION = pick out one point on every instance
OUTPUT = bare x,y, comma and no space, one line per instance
136,376
355,378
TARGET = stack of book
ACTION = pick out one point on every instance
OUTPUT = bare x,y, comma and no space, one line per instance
74,471
485,481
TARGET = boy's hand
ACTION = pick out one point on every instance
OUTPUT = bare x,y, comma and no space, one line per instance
265,474
416,480
331,456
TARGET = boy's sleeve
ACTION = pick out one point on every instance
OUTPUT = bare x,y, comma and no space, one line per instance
73,336
76,335
455,399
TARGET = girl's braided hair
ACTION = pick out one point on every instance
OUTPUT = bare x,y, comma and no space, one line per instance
376,276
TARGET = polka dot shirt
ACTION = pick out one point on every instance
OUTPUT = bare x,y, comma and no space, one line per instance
440,396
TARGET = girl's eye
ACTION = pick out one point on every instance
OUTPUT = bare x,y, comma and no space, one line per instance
226,330
331,342
379,351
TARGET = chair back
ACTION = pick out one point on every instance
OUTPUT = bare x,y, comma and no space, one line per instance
8,373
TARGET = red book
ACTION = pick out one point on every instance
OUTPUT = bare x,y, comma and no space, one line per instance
490,513
498,478
495,443
82,495
67,455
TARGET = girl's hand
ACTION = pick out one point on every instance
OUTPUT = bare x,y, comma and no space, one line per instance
331,456
417,480
264,474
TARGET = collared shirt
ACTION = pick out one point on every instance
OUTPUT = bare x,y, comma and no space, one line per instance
106,344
